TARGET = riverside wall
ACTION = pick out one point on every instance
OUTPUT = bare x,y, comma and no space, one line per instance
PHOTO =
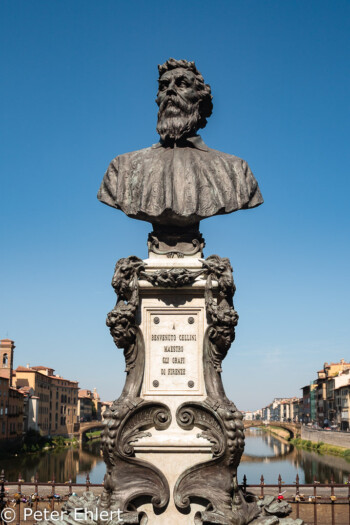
339,439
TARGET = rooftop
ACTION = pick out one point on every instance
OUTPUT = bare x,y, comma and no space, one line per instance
17,390
63,379
85,393
25,369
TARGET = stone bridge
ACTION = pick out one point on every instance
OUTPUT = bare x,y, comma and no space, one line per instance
294,429
90,426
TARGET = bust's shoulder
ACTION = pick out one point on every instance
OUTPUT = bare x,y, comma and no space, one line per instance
133,155
228,157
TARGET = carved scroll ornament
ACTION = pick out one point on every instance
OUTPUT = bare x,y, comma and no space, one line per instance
215,481
130,418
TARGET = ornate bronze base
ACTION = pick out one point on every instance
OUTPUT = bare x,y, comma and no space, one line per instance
176,242
130,481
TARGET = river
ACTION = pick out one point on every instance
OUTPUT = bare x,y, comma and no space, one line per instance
264,454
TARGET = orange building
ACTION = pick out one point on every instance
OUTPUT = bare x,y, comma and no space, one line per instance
15,425
63,405
6,358
89,405
34,398
58,398
4,392
11,409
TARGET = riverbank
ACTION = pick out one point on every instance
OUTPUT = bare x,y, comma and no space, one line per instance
339,439
94,435
276,431
32,443
322,448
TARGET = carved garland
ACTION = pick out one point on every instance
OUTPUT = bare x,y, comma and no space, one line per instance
130,417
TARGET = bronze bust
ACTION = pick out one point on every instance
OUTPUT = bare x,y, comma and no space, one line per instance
179,181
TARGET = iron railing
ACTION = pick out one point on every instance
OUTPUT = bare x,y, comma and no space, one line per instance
316,503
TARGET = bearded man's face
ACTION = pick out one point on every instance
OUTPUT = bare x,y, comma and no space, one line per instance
178,102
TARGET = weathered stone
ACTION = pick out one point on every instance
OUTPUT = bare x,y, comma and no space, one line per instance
265,520
265,501
278,508
290,521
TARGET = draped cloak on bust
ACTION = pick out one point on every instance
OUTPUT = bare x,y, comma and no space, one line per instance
180,185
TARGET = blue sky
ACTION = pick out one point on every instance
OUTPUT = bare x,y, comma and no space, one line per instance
78,88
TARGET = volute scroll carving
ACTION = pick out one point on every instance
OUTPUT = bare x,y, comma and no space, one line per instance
130,418
213,481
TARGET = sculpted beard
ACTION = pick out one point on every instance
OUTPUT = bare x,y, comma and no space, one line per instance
177,118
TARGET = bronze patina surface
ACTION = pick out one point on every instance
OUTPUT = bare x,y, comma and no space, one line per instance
179,181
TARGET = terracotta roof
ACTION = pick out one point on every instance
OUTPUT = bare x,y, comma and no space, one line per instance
38,368
25,389
336,364
17,390
42,367
24,369
63,379
85,392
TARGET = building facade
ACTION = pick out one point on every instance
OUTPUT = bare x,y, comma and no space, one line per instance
4,392
89,406
57,399
15,413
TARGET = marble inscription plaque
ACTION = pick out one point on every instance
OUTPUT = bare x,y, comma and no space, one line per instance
174,339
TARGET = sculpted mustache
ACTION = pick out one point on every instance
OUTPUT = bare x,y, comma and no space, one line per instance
177,101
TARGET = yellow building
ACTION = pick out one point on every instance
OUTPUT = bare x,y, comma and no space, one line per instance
326,408
64,405
89,405
58,398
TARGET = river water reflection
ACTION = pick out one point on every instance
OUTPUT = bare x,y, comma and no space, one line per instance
270,456
264,454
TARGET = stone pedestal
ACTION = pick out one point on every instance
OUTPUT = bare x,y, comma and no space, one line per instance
173,322
172,442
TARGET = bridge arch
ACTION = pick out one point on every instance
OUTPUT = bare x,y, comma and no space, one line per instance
91,426
294,429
